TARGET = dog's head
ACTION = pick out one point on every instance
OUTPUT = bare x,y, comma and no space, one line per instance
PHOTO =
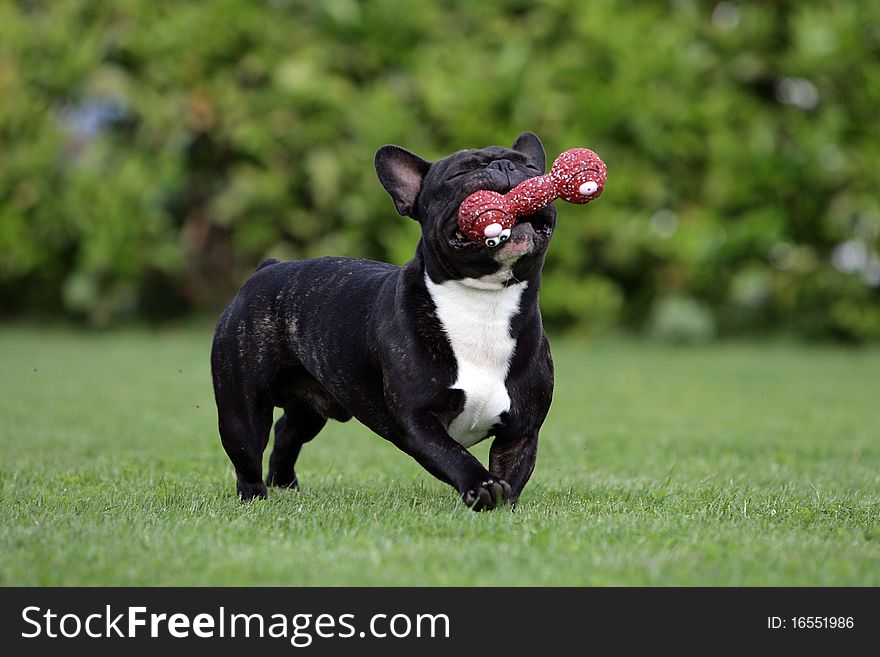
430,193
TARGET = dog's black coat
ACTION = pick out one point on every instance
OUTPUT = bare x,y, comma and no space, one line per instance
339,338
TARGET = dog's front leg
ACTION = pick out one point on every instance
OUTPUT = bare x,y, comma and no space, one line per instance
427,441
513,460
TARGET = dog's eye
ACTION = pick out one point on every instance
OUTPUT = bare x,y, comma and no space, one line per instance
492,241
505,235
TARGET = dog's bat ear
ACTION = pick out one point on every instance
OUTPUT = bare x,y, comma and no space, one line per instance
401,174
529,145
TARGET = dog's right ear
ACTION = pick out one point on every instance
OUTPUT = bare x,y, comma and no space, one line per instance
401,174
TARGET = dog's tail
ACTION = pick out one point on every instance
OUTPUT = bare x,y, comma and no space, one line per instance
267,263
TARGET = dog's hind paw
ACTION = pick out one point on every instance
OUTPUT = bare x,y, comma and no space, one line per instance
248,492
487,495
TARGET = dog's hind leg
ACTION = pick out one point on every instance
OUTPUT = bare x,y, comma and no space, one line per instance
299,424
244,417
244,432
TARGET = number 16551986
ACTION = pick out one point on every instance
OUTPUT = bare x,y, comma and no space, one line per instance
810,623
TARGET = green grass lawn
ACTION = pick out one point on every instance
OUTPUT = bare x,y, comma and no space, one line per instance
722,465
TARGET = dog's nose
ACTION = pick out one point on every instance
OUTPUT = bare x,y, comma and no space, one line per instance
502,165
508,175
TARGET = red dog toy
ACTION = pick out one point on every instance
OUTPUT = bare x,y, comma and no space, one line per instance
578,176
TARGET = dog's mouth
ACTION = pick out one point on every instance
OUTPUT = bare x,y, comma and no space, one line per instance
459,241
541,223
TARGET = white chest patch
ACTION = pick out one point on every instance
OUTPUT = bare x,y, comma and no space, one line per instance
476,315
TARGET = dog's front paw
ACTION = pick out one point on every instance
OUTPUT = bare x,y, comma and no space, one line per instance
487,495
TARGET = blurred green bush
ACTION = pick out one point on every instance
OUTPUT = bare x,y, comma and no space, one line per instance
152,152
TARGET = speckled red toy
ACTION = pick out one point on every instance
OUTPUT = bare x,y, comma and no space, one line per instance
577,176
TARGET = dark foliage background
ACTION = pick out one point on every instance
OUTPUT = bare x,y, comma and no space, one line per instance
152,152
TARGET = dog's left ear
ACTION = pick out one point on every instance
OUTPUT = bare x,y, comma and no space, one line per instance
529,145
401,174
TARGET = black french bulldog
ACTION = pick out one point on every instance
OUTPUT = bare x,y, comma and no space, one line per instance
434,356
